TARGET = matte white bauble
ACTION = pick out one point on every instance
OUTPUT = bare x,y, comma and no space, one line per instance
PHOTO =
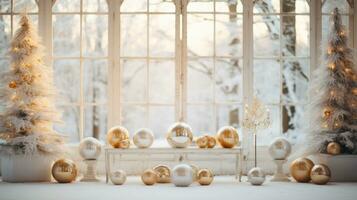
118,177
90,148
256,176
143,138
280,148
182,175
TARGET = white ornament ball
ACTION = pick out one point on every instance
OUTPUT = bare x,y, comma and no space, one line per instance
118,177
143,138
90,148
280,148
256,176
182,175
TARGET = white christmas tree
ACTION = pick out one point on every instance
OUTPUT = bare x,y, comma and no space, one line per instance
334,95
27,92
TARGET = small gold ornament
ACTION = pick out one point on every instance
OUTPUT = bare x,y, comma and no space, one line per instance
211,141
202,142
64,171
204,177
354,91
179,135
149,177
118,177
320,174
300,169
27,78
228,137
163,173
12,84
333,148
118,137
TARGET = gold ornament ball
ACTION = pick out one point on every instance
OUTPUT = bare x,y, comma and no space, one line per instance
179,135
300,169
149,177
64,171
320,174
116,135
204,177
211,142
163,174
333,148
118,177
228,137
202,142
12,85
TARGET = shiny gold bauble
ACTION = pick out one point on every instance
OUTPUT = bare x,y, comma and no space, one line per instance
179,135
228,137
117,135
202,142
149,177
64,171
12,84
204,177
300,169
211,142
320,174
163,174
333,148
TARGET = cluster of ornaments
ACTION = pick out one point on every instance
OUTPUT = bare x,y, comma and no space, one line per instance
179,135
303,170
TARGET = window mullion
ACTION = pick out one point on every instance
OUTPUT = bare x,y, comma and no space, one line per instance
45,28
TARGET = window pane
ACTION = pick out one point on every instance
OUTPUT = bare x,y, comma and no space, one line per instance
67,80
266,36
267,80
266,6
229,80
295,81
200,6
133,35
5,6
66,38
229,35
5,34
329,5
296,36
162,35
161,6
229,6
133,6
67,6
294,121
95,6
229,115
162,81
70,123
134,117
200,43
134,81
160,119
95,35
25,6
95,81
95,121
200,76
295,6
201,119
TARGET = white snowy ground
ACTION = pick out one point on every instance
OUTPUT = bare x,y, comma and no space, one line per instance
223,188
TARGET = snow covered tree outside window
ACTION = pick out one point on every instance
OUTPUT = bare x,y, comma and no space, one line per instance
148,62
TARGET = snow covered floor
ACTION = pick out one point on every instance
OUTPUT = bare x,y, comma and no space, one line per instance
223,188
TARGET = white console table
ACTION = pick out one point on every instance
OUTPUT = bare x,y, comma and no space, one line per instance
180,153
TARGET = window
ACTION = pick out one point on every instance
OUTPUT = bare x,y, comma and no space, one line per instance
149,63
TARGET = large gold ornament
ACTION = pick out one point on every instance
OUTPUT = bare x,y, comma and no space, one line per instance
149,177
228,137
90,148
320,174
64,171
204,177
143,138
164,174
300,169
179,135
118,137
333,148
